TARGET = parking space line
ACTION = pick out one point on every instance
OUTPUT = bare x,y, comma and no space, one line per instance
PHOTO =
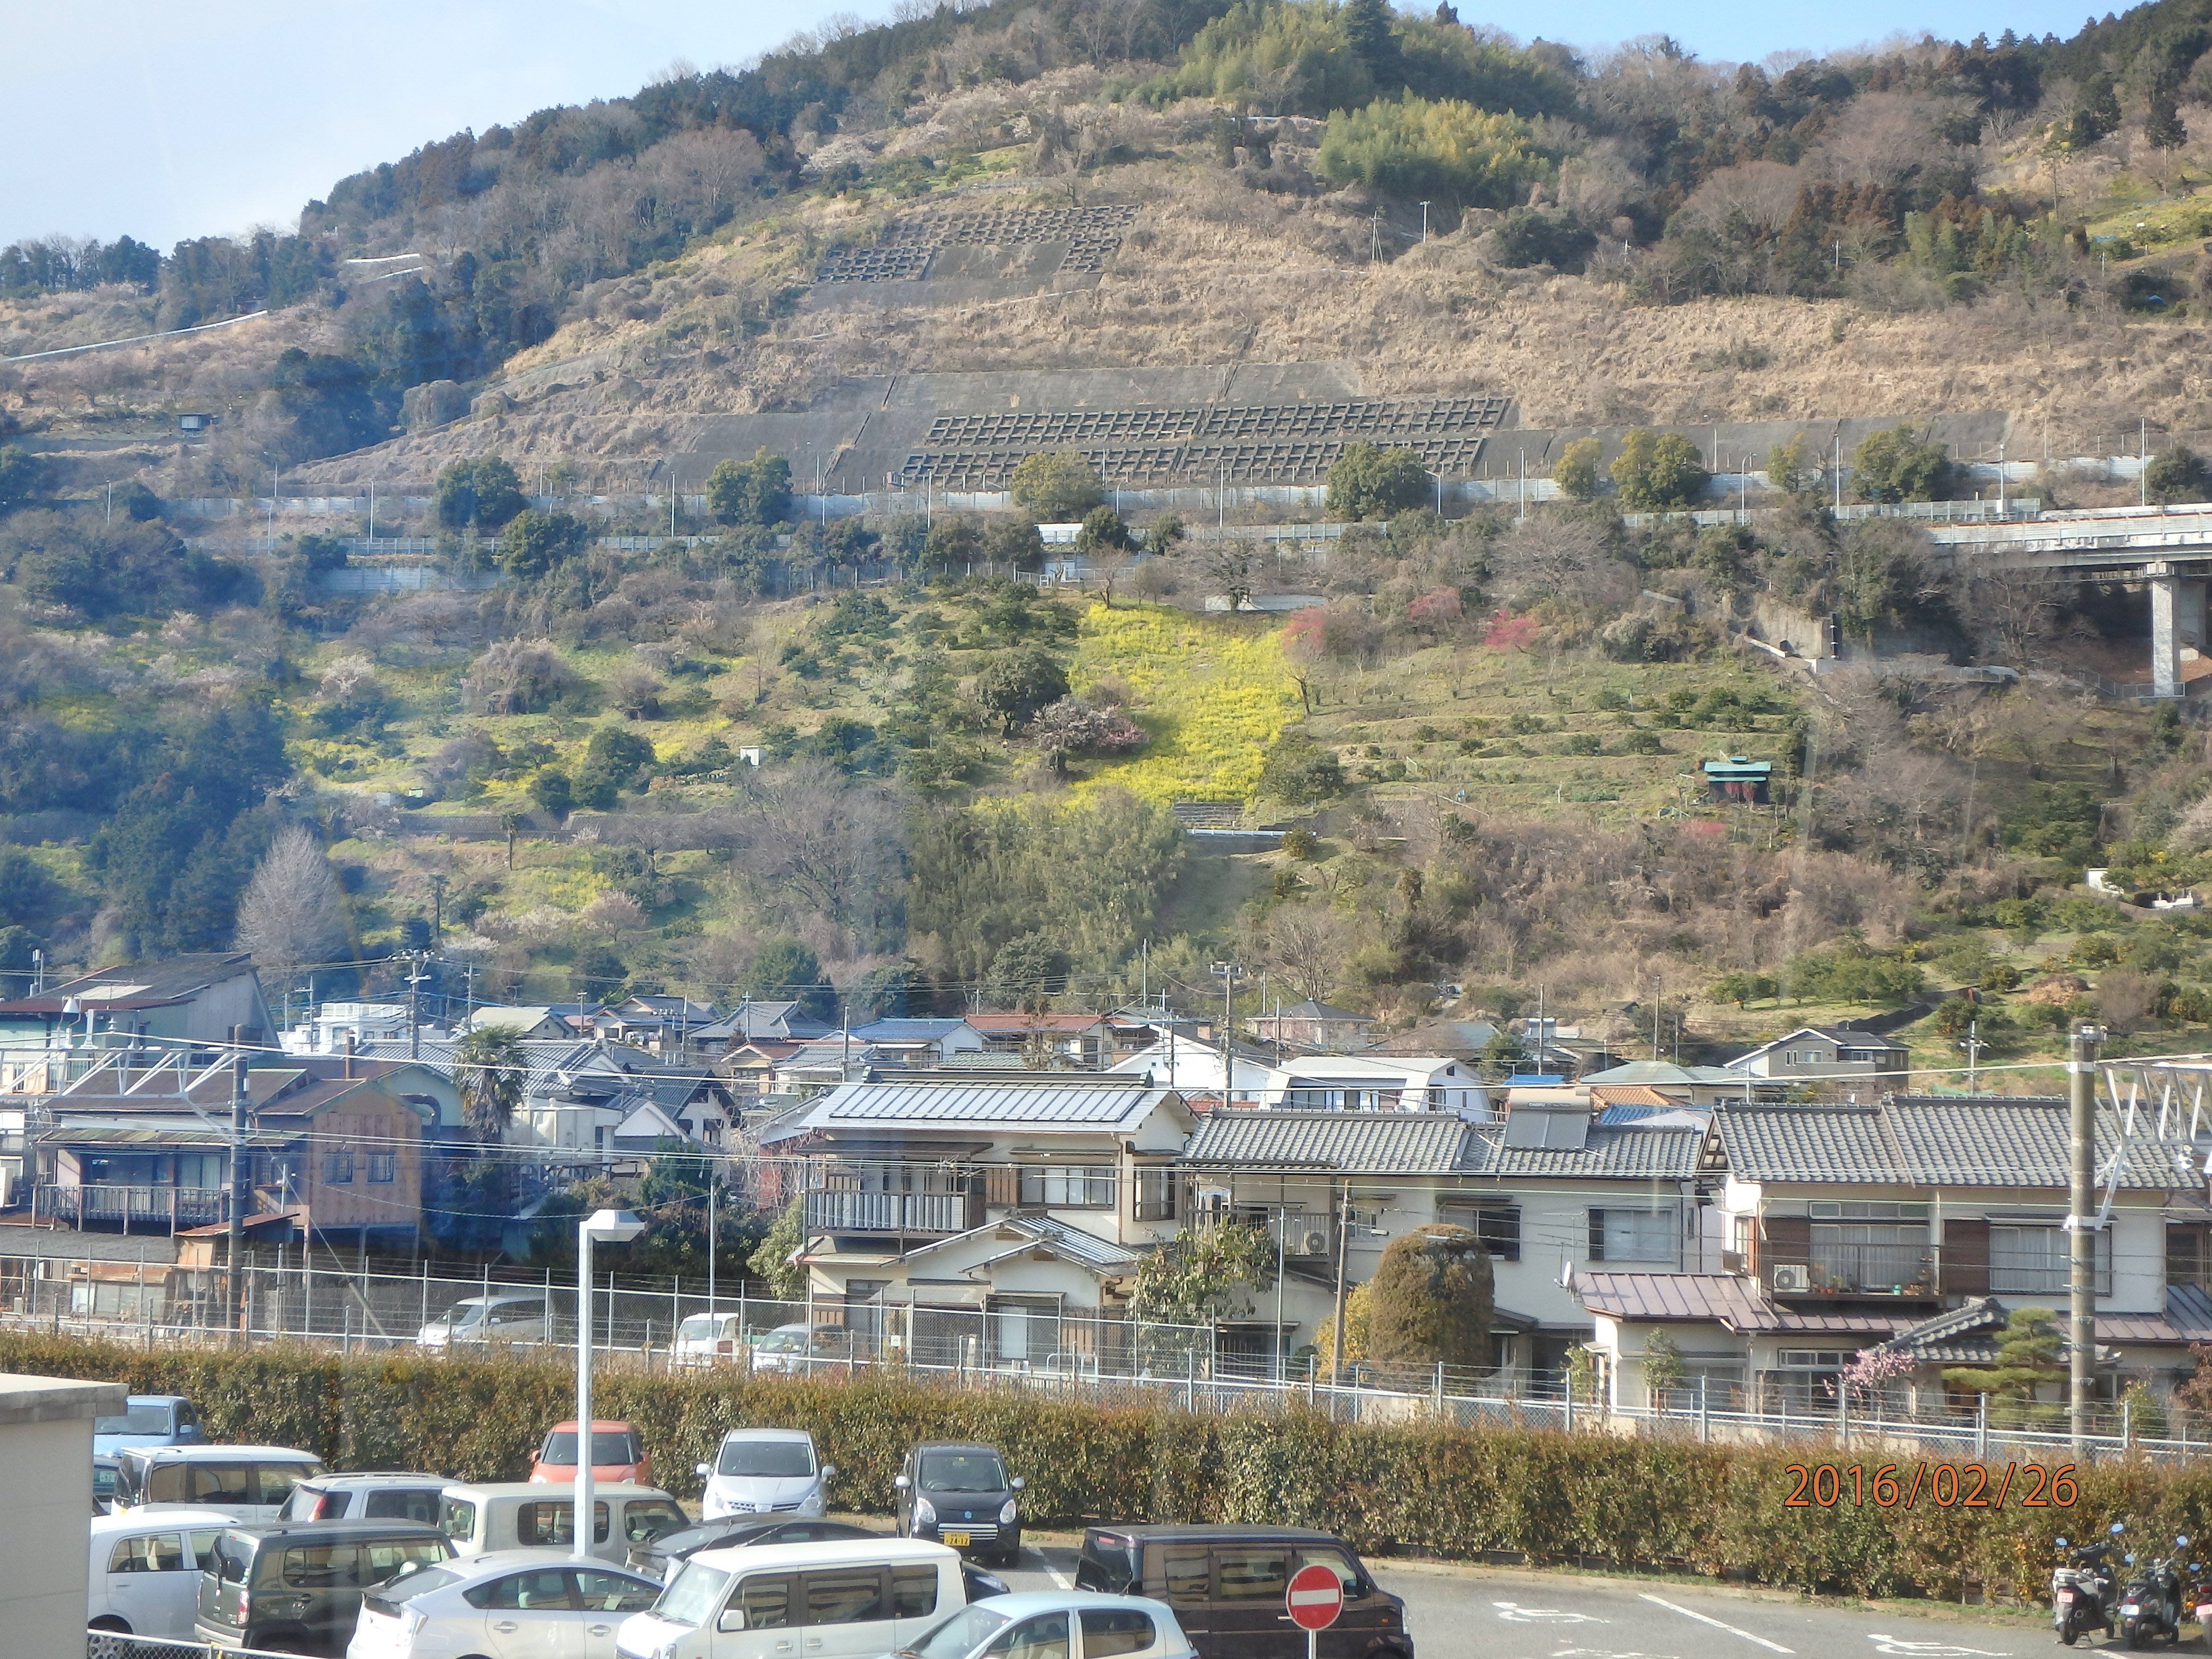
1687,1614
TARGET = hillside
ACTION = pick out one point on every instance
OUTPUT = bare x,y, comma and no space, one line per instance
823,742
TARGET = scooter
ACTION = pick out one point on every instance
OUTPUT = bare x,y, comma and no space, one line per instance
2200,1599
2081,1590
2151,1606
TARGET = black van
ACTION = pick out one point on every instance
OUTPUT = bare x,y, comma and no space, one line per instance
296,1587
1227,1586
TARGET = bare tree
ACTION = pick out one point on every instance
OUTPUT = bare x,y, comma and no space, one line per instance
1306,946
814,841
292,914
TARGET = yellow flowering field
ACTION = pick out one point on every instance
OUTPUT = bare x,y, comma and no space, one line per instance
1213,696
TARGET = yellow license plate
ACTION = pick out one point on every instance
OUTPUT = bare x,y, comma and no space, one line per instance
958,1541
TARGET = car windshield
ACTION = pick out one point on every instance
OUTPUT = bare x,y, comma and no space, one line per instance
962,1471
466,1313
139,1420
962,1634
408,1585
701,1327
782,1342
617,1448
692,1599
772,1460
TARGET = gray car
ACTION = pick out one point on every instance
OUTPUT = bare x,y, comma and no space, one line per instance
296,1587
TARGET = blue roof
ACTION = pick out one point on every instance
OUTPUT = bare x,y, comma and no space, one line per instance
892,1030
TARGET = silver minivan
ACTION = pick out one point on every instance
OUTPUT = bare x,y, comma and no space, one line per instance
491,1518
246,1483
502,1317
765,1472
850,1600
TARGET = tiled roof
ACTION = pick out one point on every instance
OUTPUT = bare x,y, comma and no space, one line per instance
1398,1143
1089,1249
1931,1140
1723,1299
1612,1152
168,981
1092,1102
908,1031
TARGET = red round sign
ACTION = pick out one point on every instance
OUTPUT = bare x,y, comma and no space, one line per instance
1315,1598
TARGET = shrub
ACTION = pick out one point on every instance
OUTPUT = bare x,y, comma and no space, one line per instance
1430,1300
518,677
1896,466
483,491
1443,150
1101,528
1298,774
1657,470
21,476
1015,684
1576,472
1057,485
755,492
534,542
1370,482
1794,467
1529,236
2176,473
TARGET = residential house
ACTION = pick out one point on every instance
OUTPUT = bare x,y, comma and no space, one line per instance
1193,1067
197,1001
1087,1041
998,1218
919,1041
750,1066
754,1022
822,1063
1369,1082
338,1148
1311,1024
1545,1187
1686,1085
1828,1054
538,1022
1839,1227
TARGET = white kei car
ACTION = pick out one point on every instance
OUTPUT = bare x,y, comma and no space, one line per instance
518,1604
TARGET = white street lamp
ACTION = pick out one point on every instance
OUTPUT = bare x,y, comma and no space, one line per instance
600,1227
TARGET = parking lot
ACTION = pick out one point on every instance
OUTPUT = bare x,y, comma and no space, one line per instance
1460,1612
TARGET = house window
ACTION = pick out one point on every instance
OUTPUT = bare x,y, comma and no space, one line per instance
338,1167
1632,1236
1497,1225
1807,1378
1155,1192
2033,1261
1079,1188
383,1166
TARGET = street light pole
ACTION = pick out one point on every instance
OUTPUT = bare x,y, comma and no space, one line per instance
2080,1225
607,1227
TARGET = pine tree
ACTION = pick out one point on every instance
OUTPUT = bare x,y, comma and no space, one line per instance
2163,126
1366,25
2026,1358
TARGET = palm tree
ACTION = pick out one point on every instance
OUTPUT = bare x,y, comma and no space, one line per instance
490,1067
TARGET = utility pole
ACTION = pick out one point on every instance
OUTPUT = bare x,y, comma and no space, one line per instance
2082,1225
1425,221
1336,1329
1973,1045
418,960
241,1180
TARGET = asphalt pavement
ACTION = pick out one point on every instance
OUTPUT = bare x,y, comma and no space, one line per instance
1457,1612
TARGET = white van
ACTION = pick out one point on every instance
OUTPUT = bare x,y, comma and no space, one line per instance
245,1483
765,1472
843,1601
707,1338
509,1317
514,1515
145,1576
378,1496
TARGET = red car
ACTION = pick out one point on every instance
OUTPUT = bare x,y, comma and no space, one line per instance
616,1454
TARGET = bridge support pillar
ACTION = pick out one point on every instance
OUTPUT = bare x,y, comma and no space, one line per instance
2176,619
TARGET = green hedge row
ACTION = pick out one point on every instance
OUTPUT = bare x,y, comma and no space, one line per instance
1452,1491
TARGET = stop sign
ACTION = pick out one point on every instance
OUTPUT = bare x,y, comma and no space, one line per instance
1315,1598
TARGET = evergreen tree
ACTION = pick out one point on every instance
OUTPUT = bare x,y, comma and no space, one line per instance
1432,1300
2027,1359
772,1263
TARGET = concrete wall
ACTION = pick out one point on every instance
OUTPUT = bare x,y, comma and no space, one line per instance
46,1504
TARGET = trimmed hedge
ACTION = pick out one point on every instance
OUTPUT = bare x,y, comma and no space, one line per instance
1451,1492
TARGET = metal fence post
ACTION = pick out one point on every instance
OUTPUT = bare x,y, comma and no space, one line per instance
1981,1426
1842,1412
2127,1425
1705,1416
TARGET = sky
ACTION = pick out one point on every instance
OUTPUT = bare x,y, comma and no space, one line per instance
166,121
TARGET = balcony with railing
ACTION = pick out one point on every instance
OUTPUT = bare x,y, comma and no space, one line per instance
101,1204
1850,1269
850,1211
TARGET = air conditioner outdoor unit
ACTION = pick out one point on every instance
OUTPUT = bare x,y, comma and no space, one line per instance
1314,1243
1793,1276
1731,1261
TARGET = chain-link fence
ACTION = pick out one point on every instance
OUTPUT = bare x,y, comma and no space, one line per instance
110,1644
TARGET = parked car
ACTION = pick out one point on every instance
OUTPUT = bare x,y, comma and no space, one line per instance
618,1454
707,1338
145,1576
509,1317
497,1518
512,1605
103,1485
1227,1584
849,1601
368,1497
765,1472
1045,1624
150,1419
296,1587
663,1556
960,1494
246,1483
800,1347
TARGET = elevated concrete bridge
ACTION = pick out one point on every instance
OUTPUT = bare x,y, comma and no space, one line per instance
2168,549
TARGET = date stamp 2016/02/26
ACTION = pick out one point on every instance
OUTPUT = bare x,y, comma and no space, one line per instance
1946,1485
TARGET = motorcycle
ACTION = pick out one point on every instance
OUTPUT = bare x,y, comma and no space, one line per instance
2081,1590
2152,1604
2200,1599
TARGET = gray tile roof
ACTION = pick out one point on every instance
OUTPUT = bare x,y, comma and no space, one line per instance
1612,1153
1395,1143
1937,1140
1094,1101
1723,1299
